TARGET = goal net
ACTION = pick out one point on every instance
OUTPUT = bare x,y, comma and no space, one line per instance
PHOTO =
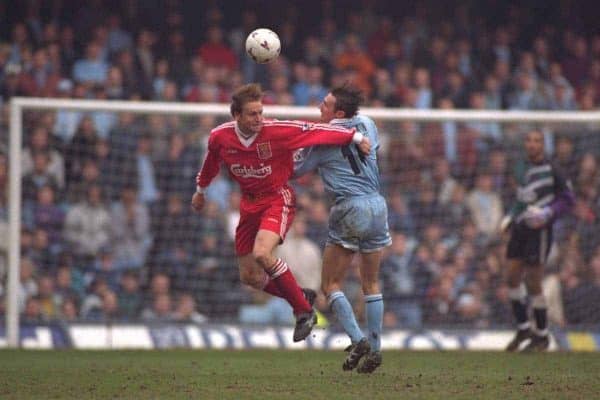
96,222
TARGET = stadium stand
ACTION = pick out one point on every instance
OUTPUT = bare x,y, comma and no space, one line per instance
107,229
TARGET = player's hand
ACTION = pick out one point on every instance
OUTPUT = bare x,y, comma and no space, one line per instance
365,146
536,217
198,202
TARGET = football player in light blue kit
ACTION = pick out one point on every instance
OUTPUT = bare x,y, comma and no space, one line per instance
357,223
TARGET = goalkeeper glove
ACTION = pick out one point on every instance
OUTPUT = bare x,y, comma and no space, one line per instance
536,217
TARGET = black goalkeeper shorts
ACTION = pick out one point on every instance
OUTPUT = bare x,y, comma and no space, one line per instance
529,245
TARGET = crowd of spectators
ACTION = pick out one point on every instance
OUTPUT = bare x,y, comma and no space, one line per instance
107,229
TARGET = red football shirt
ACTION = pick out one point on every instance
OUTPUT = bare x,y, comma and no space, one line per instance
263,163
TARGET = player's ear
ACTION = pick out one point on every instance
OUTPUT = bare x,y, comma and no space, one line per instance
339,114
236,112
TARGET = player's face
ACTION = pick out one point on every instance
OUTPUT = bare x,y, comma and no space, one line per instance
534,146
327,108
250,120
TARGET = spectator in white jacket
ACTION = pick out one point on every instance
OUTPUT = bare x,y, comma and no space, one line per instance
87,225
130,227
298,247
485,205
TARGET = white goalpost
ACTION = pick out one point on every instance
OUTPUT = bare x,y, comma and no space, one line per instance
20,105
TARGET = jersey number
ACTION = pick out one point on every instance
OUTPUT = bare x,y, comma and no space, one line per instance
347,153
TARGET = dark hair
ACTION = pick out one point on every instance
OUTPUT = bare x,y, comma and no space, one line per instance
348,99
243,95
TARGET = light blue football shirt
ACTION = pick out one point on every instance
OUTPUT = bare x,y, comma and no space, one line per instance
344,170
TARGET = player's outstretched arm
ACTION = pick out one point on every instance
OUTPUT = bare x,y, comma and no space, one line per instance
303,134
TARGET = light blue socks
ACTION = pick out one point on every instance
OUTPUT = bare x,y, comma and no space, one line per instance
374,316
343,311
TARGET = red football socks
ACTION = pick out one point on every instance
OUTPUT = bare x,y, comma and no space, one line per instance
271,287
283,278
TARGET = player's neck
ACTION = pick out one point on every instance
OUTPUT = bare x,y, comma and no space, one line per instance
243,133
246,135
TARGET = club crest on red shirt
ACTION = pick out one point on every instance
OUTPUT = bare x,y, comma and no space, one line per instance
264,150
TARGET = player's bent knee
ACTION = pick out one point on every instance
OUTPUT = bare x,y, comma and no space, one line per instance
263,259
263,256
252,279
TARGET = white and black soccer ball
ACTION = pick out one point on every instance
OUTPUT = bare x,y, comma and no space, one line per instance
263,45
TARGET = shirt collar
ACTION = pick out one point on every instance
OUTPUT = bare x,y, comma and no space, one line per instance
247,142
340,121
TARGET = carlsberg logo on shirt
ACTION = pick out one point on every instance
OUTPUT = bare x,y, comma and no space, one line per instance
244,171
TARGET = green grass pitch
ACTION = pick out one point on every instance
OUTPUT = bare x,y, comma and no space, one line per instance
257,374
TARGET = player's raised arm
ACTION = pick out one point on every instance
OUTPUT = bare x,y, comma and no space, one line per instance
299,134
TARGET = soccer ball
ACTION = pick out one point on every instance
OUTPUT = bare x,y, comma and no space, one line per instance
263,45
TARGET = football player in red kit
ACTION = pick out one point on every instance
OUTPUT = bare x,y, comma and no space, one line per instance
258,154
